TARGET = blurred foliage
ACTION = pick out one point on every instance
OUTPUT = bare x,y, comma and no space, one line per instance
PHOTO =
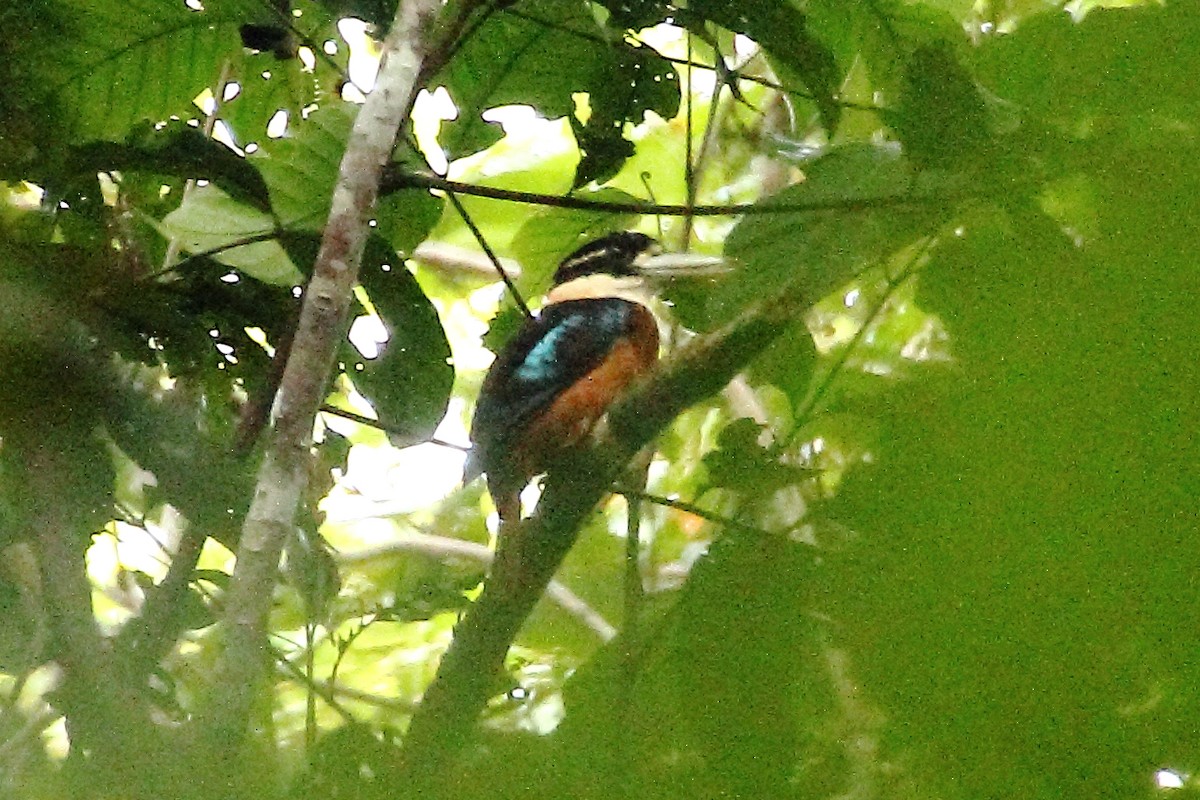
936,543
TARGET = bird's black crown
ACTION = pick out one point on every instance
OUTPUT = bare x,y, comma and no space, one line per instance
613,254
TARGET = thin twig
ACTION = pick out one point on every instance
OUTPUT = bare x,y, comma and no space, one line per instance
487,249
383,426
809,404
689,165
28,735
326,690
396,180
179,265
689,508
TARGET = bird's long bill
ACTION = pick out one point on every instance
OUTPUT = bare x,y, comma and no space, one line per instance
678,265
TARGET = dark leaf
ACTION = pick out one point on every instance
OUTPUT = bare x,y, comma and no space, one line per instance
781,30
408,383
942,120
179,151
272,38
194,612
635,81
741,463
542,57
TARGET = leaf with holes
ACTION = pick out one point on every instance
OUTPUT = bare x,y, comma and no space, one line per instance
553,50
408,382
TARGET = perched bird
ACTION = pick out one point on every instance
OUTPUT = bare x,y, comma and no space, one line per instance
555,380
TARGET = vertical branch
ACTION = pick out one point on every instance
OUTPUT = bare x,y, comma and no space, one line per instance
689,166
638,476
104,718
284,472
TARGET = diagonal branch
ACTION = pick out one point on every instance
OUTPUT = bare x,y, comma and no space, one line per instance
445,719
283,475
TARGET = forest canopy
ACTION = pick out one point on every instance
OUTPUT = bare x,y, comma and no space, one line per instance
917,475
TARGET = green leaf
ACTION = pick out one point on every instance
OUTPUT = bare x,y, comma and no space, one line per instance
788,363
114,65
195,611
301,168
242,237
504,326
1027,522
882,213
408,383
541,58
1132,68
942,119
742,464
405,218
181,152
269,86
755,677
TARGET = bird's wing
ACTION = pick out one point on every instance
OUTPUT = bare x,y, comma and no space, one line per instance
549,354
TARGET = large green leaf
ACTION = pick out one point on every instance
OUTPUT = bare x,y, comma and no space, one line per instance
1028,522
542,57
117,64
408,382
857,206
1130,68
210,221
301,168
